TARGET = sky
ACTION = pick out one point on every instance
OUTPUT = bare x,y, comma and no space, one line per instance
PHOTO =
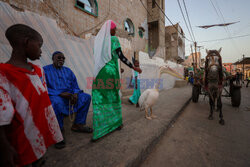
202,12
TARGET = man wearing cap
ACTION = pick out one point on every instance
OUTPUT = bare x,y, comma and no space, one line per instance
65,95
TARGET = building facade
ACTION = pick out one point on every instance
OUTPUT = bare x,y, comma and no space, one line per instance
192,58
228,67
141,22
156,27
243,66
140,25
174,43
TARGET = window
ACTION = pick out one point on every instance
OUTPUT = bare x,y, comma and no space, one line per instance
89,6
182,32
141,32
153,3
174,35
168,37
129,27
180,43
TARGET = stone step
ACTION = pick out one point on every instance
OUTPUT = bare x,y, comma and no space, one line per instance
127,92
124,99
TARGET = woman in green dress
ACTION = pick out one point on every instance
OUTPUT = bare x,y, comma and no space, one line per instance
107,110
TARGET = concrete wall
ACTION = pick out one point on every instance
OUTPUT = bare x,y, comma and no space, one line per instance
78,52
79,23
76,22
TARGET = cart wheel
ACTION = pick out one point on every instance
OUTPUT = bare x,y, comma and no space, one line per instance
195,94
235,97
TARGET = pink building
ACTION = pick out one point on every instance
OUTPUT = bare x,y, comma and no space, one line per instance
192,58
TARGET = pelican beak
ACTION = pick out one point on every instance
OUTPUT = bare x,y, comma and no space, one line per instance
172,72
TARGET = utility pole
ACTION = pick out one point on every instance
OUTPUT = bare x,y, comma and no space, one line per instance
199,51
199,61
195,49
193,58
243,67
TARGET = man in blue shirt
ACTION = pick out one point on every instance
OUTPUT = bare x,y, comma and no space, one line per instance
65,95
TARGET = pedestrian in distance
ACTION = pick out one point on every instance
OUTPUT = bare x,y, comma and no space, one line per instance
241,78
136,82
248,80
191,78
28,125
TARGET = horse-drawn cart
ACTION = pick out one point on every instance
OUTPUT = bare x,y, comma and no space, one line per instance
231,87
215,82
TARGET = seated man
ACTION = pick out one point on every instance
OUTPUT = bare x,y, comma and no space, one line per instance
64,92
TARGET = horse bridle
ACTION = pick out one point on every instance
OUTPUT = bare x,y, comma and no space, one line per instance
213,61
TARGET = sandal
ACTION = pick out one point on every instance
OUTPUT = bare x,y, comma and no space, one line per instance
93,140
60,145
120,127
40,162
130,102
81,129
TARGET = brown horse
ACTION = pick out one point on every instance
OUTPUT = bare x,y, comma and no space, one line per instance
213,78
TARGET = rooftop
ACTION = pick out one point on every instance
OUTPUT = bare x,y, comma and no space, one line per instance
245,61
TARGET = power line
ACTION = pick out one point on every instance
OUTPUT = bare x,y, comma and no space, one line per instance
163,21
227,30
233,42
171,22
221,39
223,20
185,20
145,8
188,18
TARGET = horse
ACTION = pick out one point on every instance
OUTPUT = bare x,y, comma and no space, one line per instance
213,78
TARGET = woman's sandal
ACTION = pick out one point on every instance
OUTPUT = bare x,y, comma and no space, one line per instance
130,102
120,127
82,129
93,140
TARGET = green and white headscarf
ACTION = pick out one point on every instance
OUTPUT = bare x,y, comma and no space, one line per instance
102,46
